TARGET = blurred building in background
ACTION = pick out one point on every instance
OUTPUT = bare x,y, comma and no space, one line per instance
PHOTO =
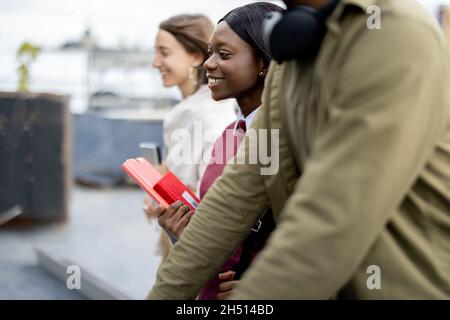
80,39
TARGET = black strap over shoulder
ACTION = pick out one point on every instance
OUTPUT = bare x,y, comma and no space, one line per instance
255,241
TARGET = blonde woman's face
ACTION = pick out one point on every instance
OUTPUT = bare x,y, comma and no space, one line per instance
172,60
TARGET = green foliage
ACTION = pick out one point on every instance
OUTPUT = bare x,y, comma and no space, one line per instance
26,54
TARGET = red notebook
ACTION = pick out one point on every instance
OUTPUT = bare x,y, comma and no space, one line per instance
164,189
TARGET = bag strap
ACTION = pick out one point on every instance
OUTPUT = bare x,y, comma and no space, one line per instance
256,238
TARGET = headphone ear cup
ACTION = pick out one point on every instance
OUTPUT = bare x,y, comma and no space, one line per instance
297,35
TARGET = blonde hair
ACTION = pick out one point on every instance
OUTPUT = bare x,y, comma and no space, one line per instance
193,32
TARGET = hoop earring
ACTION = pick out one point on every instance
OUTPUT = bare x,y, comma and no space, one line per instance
193,76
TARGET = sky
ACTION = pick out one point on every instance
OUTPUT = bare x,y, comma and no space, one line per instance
113,22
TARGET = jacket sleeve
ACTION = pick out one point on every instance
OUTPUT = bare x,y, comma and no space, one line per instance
224,217
388,110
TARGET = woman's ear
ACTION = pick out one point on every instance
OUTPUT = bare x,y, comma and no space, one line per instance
262,68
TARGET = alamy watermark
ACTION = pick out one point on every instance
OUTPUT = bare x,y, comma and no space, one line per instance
262,147
374,280
374,20
74,279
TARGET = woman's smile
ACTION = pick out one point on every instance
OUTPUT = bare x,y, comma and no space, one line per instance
214,81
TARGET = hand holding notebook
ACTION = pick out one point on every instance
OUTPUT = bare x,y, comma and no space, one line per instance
164,189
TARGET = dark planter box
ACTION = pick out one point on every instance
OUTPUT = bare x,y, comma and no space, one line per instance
35,155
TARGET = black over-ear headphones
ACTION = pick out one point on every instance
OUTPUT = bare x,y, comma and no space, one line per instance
297,33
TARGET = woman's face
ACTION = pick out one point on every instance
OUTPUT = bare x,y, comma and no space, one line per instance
232,68
172,60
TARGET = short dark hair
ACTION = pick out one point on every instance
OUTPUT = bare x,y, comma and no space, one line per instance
247,22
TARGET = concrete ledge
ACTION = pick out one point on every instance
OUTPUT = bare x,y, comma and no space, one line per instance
91,287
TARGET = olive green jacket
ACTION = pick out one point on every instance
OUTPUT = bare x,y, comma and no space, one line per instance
363,188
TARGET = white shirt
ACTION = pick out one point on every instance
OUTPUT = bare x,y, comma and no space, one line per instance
190,130
248,120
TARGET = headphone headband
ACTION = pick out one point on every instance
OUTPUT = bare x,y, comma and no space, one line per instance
298,32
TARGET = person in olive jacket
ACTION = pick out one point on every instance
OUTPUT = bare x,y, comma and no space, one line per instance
364,172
